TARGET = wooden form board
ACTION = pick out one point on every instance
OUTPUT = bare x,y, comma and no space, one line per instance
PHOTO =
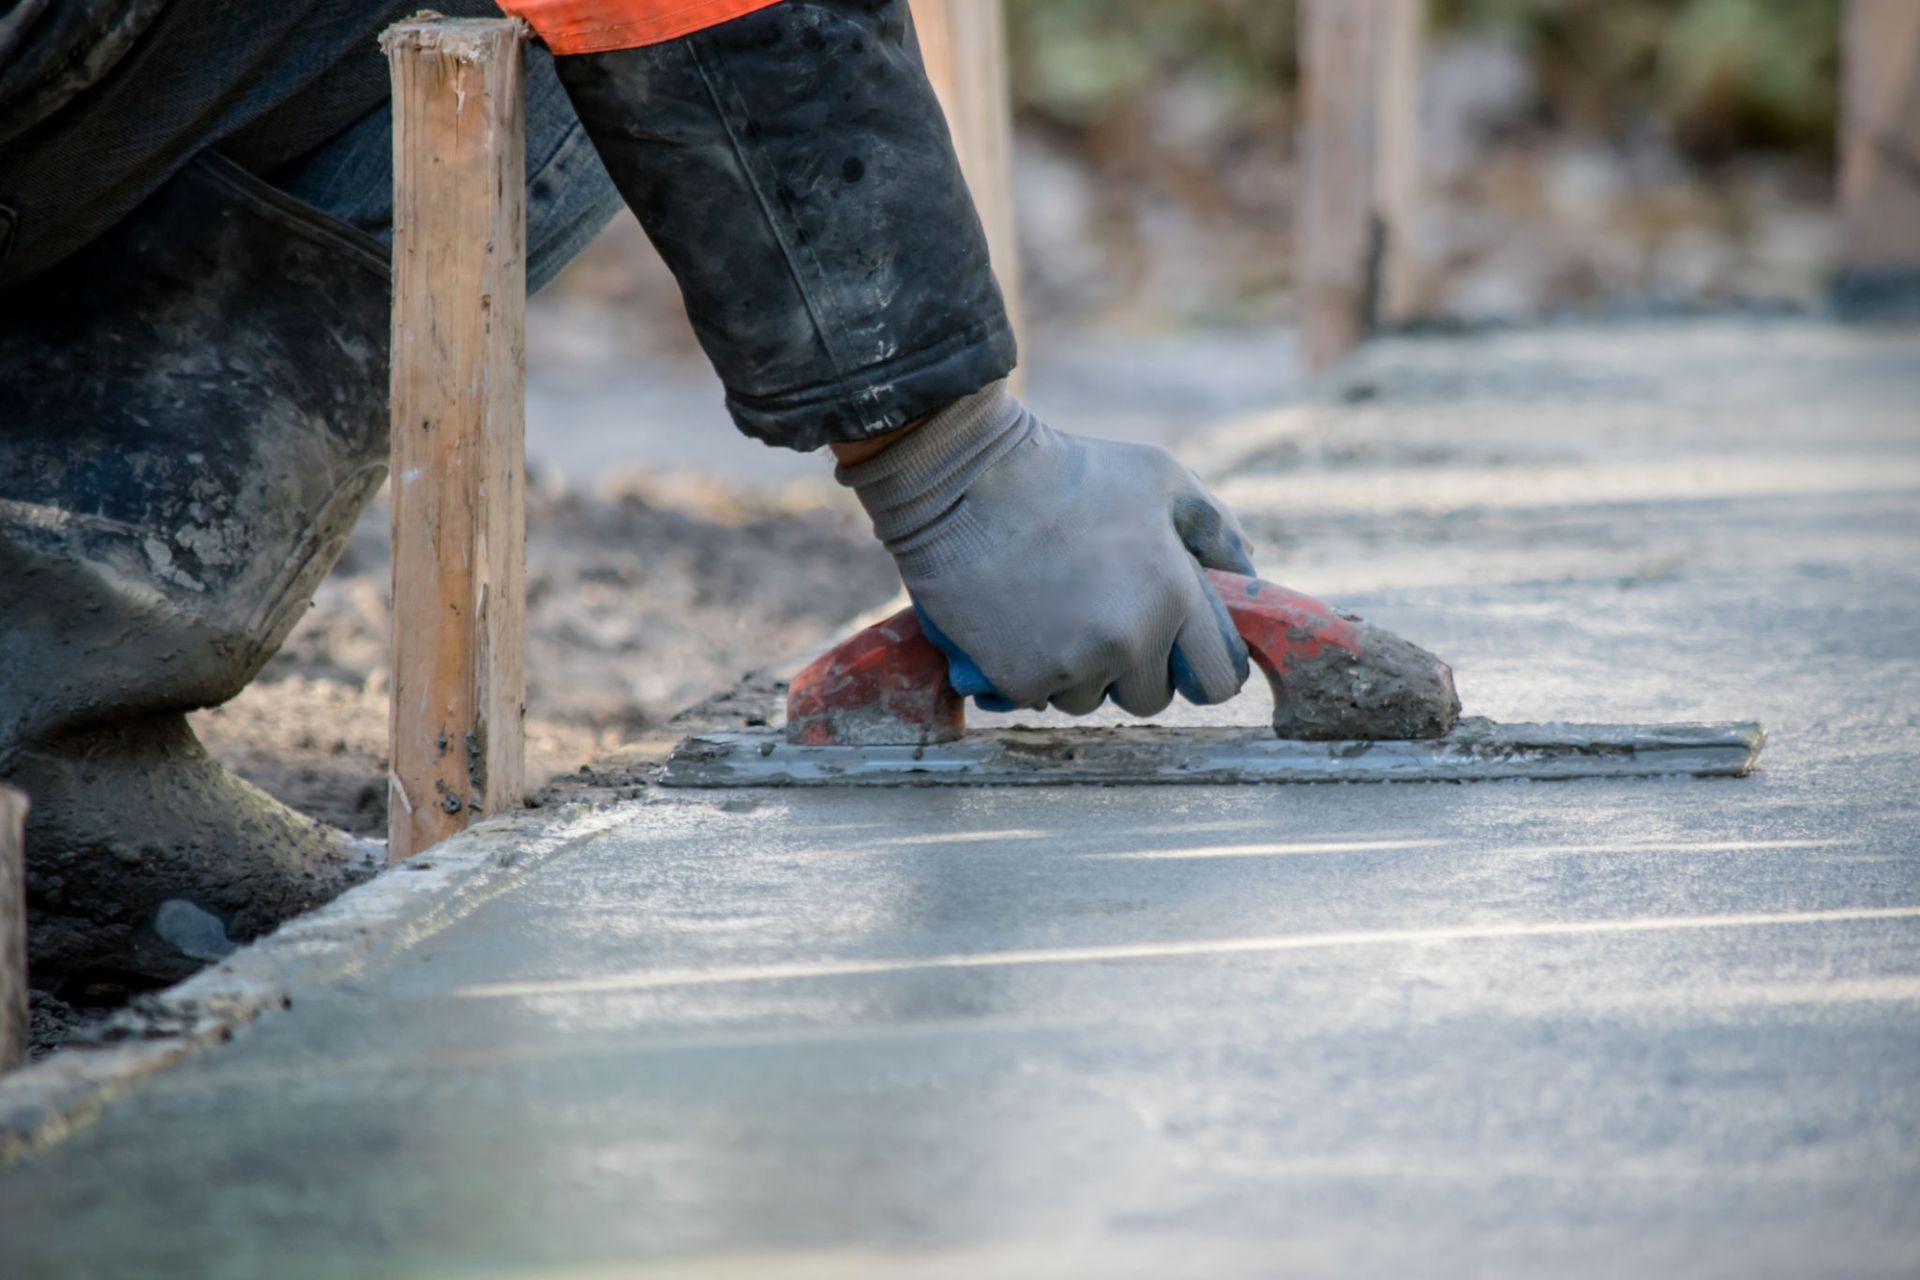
964,44
458,406
13,927
1359,167
1880,137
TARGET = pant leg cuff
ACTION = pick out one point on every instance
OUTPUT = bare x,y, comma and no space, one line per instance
881,397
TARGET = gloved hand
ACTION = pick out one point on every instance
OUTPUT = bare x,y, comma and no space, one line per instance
1052,568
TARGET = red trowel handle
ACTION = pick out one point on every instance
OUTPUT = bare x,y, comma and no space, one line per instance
1333,677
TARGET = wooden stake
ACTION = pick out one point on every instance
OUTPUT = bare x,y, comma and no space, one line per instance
459,534
1402,38
1880,141
964,44
1359,164
13,927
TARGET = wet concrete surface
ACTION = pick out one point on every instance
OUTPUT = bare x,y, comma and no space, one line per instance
1586,1029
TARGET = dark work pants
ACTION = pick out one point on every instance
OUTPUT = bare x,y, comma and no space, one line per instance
792,166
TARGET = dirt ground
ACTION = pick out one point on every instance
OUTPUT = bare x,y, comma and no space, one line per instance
641,598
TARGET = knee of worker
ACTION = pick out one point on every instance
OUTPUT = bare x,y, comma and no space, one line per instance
199,418
88,642
120,619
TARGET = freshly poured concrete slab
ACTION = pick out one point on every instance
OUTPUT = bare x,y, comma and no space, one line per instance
1597,1028
1420,1030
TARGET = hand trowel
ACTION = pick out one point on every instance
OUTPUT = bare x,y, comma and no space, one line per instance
1352,703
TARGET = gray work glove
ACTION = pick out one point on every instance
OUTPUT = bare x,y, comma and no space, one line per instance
1052,568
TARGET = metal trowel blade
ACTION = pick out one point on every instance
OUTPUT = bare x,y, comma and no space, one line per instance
1476,750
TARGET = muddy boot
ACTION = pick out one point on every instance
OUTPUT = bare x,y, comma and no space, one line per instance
169,860
193,417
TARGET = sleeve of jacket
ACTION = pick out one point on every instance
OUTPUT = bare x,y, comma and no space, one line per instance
793,167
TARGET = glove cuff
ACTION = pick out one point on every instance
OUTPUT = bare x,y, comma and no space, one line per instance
909,488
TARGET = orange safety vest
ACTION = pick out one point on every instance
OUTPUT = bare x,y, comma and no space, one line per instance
596,26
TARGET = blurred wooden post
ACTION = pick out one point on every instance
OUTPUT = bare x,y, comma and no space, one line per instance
1397,175
13,927
459,532
964,44
1360,168
1880,152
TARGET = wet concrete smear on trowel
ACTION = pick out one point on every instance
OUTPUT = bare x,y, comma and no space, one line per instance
1477,750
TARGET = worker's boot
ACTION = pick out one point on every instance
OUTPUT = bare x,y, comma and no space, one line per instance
192,417
147,858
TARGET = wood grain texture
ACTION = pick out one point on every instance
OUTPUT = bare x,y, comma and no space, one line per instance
459,319
1359,165
1880,136
13,927
964,45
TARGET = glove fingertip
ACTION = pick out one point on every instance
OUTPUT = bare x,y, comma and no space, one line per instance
1186,682
1194,687
1187,678
963,673
1238,556
1211,535
1236,647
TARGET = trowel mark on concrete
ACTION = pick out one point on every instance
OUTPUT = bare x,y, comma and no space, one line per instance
614,984
1297,850
1521,851
962,837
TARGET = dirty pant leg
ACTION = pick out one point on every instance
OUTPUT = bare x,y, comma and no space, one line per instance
295,91
795,170
199,408
196,416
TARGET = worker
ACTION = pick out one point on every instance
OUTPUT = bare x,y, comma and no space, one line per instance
195,217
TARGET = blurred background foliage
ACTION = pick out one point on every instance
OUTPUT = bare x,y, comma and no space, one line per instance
1728,75
1725,75
1574,153
1083,63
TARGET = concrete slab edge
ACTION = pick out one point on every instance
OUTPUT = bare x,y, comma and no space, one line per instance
44,1103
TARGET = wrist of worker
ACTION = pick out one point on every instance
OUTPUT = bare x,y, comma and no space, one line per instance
921,473
851,453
